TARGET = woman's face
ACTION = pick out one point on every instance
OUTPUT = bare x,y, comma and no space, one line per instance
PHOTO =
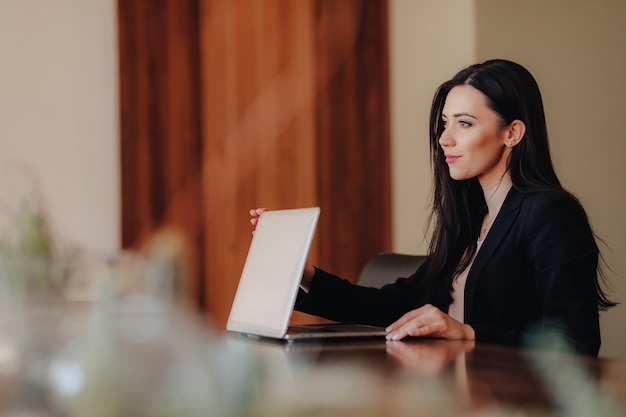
474,139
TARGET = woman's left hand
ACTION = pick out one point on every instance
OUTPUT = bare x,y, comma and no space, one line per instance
428,320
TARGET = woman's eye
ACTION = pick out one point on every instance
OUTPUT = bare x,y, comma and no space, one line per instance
444,123
464,123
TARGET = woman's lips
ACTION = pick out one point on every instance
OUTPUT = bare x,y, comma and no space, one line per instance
451,158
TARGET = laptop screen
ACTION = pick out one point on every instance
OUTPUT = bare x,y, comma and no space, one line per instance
272,272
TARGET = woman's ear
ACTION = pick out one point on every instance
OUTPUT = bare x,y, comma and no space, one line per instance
514,133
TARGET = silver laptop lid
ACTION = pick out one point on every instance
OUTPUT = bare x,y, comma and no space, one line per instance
271,275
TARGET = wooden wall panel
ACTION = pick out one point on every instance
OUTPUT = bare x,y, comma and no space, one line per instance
259,126
352,133
160,125
295,105
233,104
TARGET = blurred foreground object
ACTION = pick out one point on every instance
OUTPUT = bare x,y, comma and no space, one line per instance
32,264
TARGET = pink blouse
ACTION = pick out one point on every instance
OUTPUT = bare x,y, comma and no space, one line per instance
458,290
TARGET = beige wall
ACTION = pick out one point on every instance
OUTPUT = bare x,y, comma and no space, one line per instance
59,114
421,57
577,52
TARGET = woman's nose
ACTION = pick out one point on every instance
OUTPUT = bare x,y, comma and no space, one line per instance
445,139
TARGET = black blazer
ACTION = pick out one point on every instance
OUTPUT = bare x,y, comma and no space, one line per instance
535,272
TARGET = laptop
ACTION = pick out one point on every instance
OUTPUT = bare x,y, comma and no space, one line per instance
270,280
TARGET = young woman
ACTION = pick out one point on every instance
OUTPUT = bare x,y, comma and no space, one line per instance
512,253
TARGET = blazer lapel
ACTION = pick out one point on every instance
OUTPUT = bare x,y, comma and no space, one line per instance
503,222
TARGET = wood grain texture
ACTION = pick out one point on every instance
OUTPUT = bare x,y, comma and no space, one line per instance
229,105
160,125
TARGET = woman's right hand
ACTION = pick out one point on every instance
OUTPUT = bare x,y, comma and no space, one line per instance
255,214
309,271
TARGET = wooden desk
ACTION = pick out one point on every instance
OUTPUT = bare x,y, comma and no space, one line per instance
161,364
433,378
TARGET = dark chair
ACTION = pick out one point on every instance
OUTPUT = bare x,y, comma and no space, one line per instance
385,267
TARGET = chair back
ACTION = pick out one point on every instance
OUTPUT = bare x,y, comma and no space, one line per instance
386,267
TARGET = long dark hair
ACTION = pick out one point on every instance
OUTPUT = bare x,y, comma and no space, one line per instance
459,206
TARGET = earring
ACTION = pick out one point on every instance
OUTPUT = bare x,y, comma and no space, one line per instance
509,144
